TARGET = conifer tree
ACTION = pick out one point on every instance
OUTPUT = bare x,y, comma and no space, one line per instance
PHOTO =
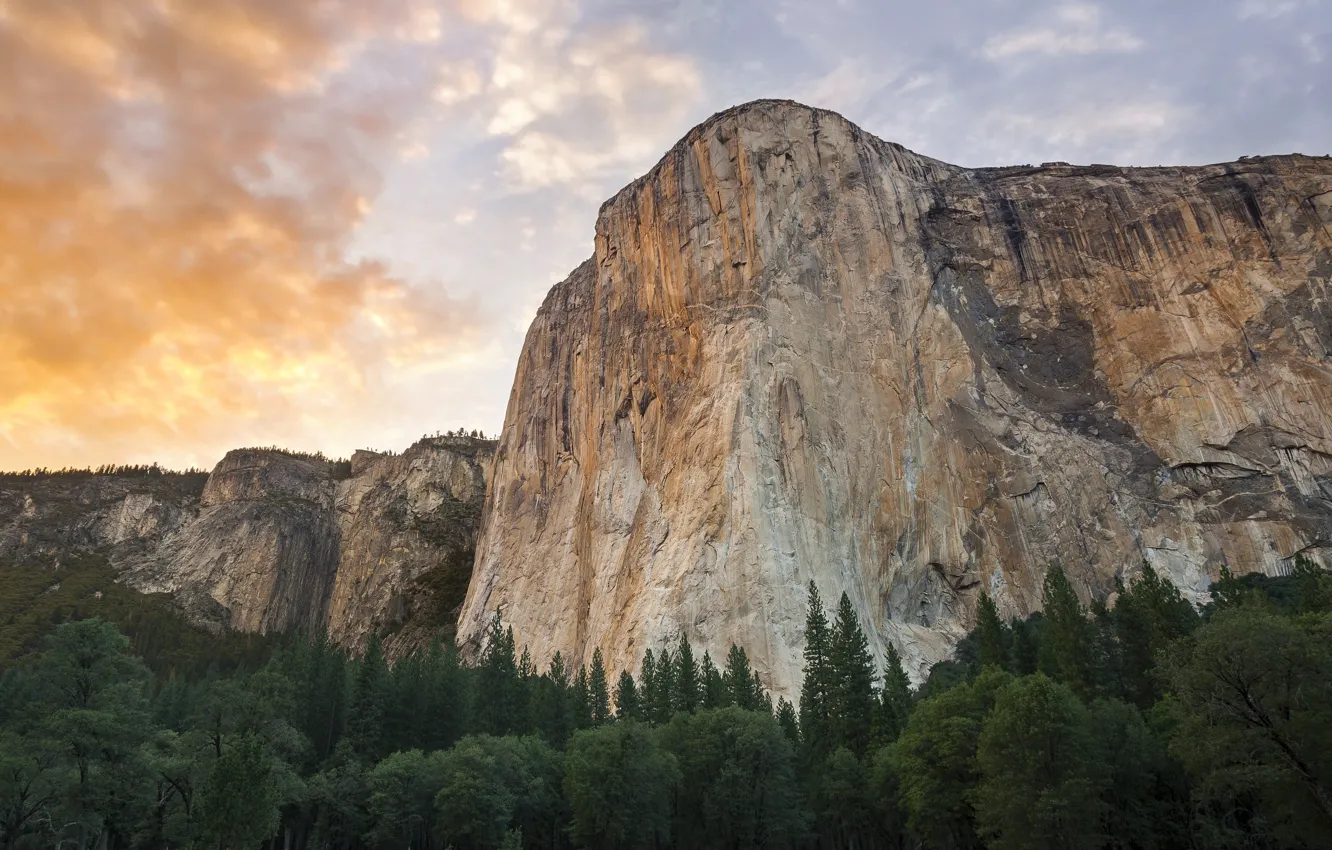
1313,586
1027,643
786,718
647,692
365,726
894,704
816,689
992,635
1067,643
662,701
627,706
498,690
687,682
714,689
852,704
742,687
1149,615
597,691
581,698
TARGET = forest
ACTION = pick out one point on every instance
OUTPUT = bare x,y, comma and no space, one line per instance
1142,724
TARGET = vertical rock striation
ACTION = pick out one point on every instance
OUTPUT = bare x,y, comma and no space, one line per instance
802,353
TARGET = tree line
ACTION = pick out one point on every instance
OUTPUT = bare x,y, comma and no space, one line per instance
141,470
1143,725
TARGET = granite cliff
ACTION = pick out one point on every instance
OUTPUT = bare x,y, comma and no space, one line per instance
272,540
800,353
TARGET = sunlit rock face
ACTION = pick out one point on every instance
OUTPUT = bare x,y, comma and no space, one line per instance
277,541
800,353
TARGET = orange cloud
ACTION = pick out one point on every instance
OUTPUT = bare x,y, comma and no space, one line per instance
179,183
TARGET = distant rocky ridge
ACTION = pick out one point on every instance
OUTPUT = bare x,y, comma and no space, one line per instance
272,540
801,353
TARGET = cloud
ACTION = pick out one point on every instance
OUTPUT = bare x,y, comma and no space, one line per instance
576,103
178,187
1075,29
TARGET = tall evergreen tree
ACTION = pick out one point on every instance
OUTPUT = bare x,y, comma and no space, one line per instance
581,699
894,703
712,687
816,691
597,692
740,682
852,704
786,718
627,705
498,694
992,635
687,681
661,702
1068,643
647,691
1313,586
365,725
1148,616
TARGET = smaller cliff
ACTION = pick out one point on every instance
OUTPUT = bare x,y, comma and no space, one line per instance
274,541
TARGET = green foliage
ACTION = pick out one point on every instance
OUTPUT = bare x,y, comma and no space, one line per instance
742,688
598,693
816,691
894,700
1040,782
742,790
993,637
935,761
619,783
35,600
1067,647
852,690
307,747
1148,616
627,703
1252,705
239,802
687,682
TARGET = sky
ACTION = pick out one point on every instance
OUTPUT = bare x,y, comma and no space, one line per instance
326,224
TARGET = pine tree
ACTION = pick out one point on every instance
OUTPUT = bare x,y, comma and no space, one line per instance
852,693
992,636
1027,643
498,692
742,688
627,705
1068,643
687,682
581,698
1149,615
1313,586
714,689
597,691
816,689
661,701
365,726
647,693
894,703
786,718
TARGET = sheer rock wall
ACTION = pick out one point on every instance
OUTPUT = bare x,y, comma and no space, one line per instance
802,353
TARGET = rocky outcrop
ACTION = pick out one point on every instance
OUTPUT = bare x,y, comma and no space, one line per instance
802,353
274,541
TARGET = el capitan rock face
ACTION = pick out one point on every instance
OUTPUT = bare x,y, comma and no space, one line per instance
802,353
